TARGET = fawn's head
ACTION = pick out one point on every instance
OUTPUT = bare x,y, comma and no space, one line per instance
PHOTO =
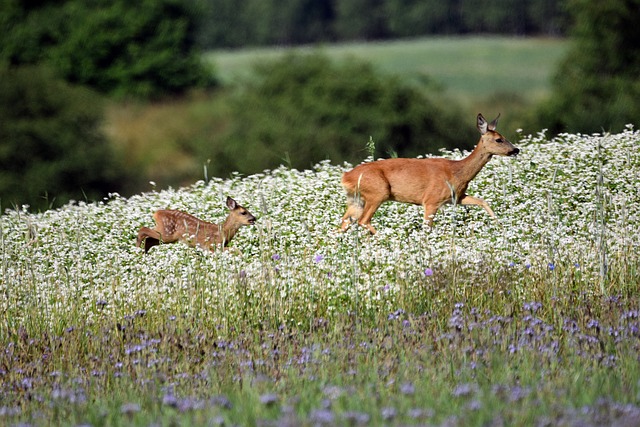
239,214
492,141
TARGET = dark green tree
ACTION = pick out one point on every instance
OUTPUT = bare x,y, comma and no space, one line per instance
229,23
305,109
597,87
361,19
51,146
494,16
146,48
547,17
410,18
29,29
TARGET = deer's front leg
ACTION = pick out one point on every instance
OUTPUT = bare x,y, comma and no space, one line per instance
429,212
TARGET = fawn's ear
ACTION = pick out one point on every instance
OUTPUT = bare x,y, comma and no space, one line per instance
231,204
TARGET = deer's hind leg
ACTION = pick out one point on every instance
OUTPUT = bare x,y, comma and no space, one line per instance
151,238
370,208
353,213
468,200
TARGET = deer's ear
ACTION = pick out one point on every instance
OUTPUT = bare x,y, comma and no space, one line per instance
494,123
231,204
482,124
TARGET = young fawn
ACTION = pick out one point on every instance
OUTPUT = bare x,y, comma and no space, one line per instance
428,182
173,226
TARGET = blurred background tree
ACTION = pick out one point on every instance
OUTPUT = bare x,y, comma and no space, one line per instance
304,108
230,23
143,49
53,143
597,86
52,148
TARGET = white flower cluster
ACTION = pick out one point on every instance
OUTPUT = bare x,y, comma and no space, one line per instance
571,201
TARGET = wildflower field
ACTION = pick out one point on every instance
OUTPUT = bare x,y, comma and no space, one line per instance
530,319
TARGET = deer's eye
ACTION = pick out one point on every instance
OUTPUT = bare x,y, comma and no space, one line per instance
500,140
243,213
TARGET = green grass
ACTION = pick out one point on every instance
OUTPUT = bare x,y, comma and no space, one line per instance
531,319
470,68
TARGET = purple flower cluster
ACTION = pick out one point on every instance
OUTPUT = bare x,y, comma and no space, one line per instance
262,358
481,332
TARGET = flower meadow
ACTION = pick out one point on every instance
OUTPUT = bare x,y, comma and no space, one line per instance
528,319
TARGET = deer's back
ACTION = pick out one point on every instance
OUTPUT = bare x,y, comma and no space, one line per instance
404,180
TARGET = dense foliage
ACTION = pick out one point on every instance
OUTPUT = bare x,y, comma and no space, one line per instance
597,85
52,147
305,108
228,23
530,319
145,48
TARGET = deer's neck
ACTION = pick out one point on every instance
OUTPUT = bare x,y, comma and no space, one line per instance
228,230
470,166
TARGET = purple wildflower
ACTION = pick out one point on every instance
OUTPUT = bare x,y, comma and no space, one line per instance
322,416
318,258
532,306
464,390
356,418
407,389
389,413
170,400
428,272
593,324
268,399
129,408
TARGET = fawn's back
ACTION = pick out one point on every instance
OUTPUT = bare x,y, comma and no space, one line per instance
174,225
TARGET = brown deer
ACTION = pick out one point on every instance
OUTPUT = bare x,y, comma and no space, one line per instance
173,226
428,182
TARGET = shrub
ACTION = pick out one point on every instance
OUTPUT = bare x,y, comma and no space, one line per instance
596,87
304,109
145,49
52,146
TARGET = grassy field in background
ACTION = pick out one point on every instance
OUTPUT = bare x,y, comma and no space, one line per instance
470,68
168,142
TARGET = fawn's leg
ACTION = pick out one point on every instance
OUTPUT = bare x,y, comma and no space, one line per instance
151,238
